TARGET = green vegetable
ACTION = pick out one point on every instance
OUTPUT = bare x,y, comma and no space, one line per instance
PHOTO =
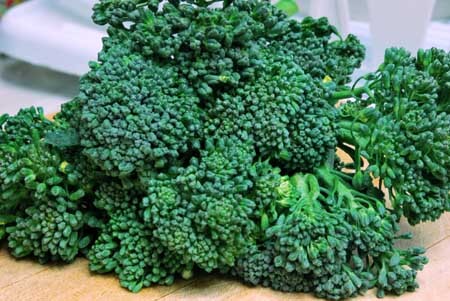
406,131
332,239
205,137
38,212
127,246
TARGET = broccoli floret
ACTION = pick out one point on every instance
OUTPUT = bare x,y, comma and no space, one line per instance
134,113
330,238
213,48
43,196
201,212
436,62
282,111
51,231
255,266
310,42
373,227
308,239
20,128
348,282
397,269
127,246
266,179
402,131
21,158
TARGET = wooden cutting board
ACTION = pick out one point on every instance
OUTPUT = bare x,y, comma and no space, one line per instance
23,280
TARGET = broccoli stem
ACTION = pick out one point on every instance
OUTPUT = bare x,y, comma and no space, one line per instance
357,92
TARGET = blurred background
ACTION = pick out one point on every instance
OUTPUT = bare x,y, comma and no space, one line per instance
45,45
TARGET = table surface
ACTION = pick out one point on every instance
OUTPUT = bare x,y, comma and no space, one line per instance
27,280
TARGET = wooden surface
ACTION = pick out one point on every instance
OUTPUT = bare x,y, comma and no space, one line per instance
23,280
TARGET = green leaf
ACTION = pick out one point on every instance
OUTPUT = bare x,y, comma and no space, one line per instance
289,7
63,138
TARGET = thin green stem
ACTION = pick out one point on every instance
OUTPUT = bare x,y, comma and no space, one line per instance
341,174
357,92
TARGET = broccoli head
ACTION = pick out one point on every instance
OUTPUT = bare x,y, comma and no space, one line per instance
201,211
134,113
127,246
283,112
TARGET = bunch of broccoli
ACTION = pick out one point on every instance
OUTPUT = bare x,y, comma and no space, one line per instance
204,139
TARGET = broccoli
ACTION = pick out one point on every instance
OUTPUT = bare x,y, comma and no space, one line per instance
330,238
284,112
44,197
19,147
127,246
52,231
307,239
436,63
148,116
312,46
201,211
204,139
402,129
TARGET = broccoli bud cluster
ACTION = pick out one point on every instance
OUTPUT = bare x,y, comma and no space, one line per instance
43,196
284,112
127,246
148,115
201,212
